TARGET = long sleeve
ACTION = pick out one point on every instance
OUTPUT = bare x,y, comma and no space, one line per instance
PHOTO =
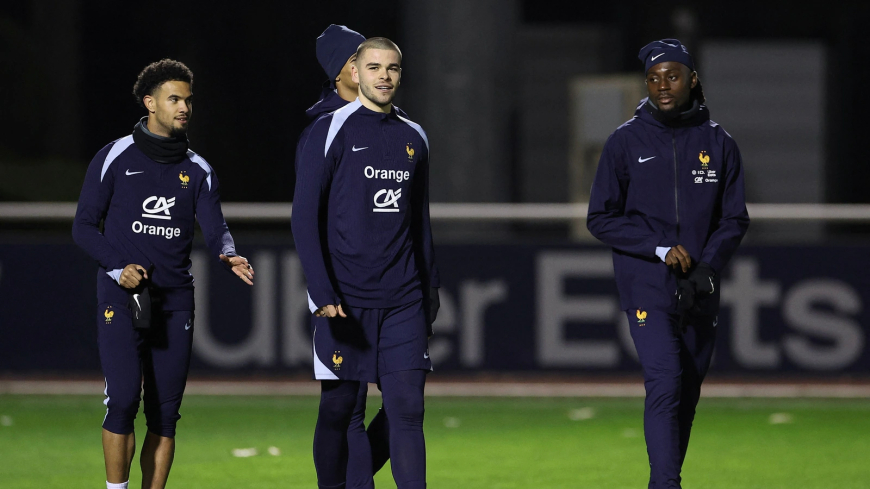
299,145
734,219
421,228
314,172
94,201
211,218
606,218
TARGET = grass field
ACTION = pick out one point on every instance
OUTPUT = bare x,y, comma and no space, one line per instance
54,442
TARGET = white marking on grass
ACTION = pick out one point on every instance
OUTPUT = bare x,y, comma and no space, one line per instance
450,422
6,420
781,418
245,452
581,414
274,451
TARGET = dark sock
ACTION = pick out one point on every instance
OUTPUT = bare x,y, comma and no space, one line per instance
403,402
359,458
337,401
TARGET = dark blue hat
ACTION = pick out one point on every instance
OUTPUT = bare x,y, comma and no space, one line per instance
334,47
665,50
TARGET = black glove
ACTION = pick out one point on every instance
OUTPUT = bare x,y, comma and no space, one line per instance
139,303
431,307
702,278
697,285
685,295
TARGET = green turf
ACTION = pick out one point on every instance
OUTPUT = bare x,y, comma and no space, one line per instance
54,441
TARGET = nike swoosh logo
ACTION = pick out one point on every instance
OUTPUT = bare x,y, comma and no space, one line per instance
642,160
187,326
426,355
354,148
136,298
135,172
656,56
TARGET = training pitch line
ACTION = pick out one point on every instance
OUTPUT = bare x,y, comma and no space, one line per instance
462,389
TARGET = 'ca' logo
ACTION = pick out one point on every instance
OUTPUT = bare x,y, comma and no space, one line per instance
161,206
391,198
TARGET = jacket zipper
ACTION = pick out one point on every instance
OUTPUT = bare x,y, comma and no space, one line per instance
676,182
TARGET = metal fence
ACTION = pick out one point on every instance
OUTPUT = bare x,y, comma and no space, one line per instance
549,212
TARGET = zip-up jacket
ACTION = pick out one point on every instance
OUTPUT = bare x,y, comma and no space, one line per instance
661,185
329,102
148,209
361,210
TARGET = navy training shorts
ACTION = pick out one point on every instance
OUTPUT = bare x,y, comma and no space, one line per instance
369,343
157,358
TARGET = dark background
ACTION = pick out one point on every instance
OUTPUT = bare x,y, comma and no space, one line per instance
489,80
68,69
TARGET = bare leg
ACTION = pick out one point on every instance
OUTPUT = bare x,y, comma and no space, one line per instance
156,460
118,452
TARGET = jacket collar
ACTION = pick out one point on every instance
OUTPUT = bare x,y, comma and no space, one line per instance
392,114
695,116
329,102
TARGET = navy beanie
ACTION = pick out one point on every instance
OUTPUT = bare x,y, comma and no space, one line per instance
665,50
334,47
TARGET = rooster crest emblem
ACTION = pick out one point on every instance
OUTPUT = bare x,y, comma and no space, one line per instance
337,359
704,158
410,151
641,317
109,314
184,179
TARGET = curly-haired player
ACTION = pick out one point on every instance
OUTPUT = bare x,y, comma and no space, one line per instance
148,188
174,121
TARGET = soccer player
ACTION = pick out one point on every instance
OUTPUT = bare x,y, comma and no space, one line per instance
668,198
368,449
148,188
361,226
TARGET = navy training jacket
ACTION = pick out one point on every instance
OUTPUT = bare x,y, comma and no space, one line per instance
329,102
149,210
661,185
361,210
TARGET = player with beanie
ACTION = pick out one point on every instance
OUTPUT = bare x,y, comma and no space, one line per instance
668,198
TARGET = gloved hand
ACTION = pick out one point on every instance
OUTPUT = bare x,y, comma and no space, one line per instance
685,295
430,307
698,284
702,278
